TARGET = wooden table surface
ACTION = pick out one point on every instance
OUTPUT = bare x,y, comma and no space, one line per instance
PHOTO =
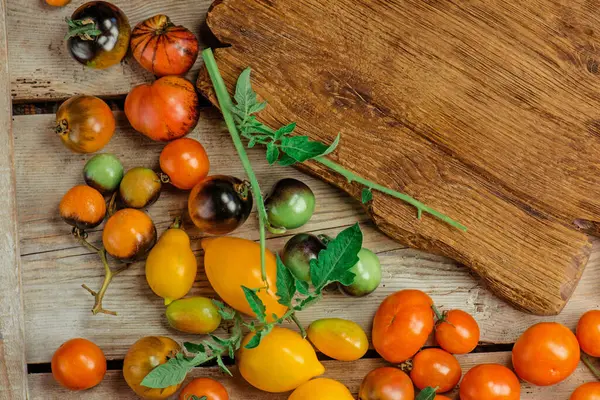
53,266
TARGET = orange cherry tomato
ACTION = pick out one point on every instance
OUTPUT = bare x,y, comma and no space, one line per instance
490,382
129,234
164,110
386,383
78,364
57,3
587,391
440,397
206,387
185,162
458,333
436,368
402,325
82,207
546,354
588,333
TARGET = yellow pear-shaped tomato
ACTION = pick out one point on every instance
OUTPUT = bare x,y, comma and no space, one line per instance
282,362
171,265
231,263
338,338
322,389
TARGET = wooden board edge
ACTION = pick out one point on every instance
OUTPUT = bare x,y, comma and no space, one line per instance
13,368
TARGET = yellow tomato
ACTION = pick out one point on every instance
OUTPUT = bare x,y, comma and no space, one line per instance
171,265
231,263
193,315
322,389
282,362
338,338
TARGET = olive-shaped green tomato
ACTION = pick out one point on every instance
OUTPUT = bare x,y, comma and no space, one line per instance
140,187
103,172
290,204
298,252
367,273
193,315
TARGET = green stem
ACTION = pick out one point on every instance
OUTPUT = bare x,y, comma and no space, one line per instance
351,177
438,314
225,104
294,318
588,362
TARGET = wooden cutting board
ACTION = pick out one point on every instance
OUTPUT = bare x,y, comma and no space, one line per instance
486,110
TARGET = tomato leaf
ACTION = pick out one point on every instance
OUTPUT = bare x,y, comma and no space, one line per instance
285,130
286,161
272,153
245,97
426,394
332,146
300,148
173,372
286,284
302,287
307,302
194,348
256,304
222,365
255,341
334,262
366,195
225,312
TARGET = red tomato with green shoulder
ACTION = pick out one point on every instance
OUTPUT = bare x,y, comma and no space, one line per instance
204,388
78,364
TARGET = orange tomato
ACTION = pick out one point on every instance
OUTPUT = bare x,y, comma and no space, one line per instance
386,383
436,368
129,234
402,325
82,207
588,333
546,354
206,387
458,333
587,391
185,162
165,110
440,397
57,3
78,364
490,382
338,338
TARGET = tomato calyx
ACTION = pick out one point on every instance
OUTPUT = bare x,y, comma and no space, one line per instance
442,317
177,223
406,366
85,29
62,127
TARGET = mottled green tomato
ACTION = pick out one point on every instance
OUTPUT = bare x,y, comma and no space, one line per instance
298,252
103,172
368,274
193,315
140,187
290,204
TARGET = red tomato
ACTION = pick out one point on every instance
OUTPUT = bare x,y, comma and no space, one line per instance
386,383
490,382
185,162
402,324
458,333
436,368
208,388
78,364
588,333
587,391
545,354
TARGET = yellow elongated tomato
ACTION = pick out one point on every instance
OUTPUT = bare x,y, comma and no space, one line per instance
231,263
322,389
338,338
282,362
171,265
194,315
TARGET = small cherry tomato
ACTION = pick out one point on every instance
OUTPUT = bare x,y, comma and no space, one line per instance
546,354
220,204
78,364
440,397
338,338
588,333
129,235
490,382
367,273
58,3
298,252
587,391
457,333
206,388
140,188
386,383
402,325
85,124
103,172
193,315
185,162
145,355
83,207
436,368
322,389
290,204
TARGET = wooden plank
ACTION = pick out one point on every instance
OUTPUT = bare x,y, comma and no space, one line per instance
53,263
13,370
114,387
42,68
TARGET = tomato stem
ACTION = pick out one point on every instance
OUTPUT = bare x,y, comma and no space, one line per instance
588,362
440,317
294,318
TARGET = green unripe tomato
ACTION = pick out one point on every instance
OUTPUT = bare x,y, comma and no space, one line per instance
140,188
368,274
193,315
104,173
290,205
298,252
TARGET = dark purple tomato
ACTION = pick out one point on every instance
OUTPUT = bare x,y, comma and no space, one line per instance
298,252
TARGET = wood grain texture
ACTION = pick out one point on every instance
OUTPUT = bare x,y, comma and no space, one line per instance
485,110
351,374
13,370
42,68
